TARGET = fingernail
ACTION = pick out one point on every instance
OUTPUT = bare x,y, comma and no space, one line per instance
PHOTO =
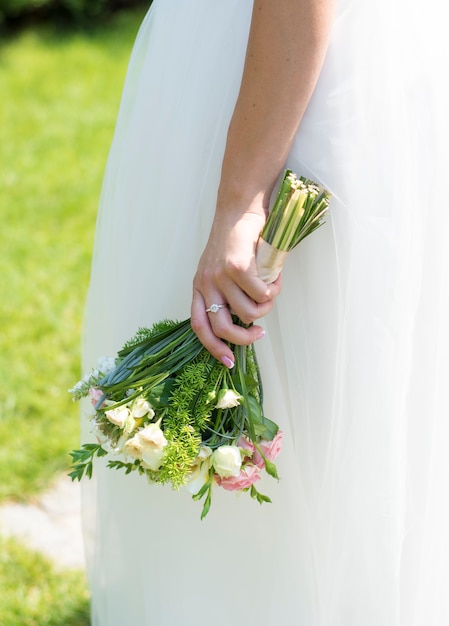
227,361
261,335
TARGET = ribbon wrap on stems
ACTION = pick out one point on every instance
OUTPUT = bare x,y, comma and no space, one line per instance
270,261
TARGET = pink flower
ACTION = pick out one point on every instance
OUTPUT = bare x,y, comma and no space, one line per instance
248,476
246,444
95,396
270,449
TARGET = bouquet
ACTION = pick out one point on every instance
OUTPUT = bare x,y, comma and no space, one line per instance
165,408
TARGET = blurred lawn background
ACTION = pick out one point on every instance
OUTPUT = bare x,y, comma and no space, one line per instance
60,94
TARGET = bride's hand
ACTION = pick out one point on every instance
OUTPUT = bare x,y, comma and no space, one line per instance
227,274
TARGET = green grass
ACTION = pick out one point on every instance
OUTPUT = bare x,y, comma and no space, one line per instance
62,94
35,594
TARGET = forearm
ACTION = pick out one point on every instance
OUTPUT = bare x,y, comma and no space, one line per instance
286,49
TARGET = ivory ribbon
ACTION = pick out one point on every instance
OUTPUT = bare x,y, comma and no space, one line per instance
269,261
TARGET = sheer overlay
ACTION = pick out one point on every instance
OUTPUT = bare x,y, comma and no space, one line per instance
355,361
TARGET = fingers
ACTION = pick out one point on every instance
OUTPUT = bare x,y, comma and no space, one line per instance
244,305
211,328
248,297
250,284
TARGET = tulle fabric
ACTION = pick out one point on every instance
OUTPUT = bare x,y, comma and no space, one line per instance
355,360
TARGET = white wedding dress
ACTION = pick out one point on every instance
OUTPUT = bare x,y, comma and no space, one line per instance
355,361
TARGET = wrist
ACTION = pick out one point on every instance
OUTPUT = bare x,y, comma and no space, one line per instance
238,196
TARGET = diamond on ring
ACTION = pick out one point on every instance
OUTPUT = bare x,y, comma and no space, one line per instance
214,308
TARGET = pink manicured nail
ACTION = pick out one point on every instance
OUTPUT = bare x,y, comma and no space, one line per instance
227,361
261,335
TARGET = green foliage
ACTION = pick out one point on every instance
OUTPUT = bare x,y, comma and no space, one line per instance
13,8
73,10
179,455
190,401
206,491
143,334
189,412
33,593
60,98
83,460
128,467
61,95
256,495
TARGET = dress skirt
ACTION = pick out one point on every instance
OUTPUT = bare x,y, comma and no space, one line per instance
355,361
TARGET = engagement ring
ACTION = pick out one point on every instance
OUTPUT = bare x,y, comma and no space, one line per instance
214,308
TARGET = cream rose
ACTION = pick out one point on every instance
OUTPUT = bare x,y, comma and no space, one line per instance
133,447
118,416
142,407
200,470
227,461
148,445
227,398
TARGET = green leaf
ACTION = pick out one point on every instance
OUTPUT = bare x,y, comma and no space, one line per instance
159,396
263,427
271,429
256,495
83,460
207,503
199,494
128,467
89,469
77,473
251,384
253,406
259,429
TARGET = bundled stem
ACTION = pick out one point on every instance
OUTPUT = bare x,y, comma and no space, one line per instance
298,210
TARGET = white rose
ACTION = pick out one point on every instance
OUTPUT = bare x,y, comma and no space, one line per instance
199,474
152,435
122,417
148,446
227,398
133,447
152,458
142,407
118,416
118,448
204,453
227,461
